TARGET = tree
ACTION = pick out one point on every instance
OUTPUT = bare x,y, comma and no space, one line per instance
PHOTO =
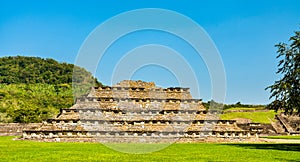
286,91
31,70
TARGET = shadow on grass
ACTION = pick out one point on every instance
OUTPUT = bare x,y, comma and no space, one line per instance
283,159
283,147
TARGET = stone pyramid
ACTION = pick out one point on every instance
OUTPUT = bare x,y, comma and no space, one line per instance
137,111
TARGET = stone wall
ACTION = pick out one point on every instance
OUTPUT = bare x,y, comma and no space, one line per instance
139,104
139,83
143,94
15,129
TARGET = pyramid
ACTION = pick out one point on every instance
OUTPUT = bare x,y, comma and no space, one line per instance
137,111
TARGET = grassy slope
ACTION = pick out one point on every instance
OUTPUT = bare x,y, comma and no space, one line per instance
246,108
41,151
260,117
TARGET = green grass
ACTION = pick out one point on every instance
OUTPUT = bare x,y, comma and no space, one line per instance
41,151
260,117
246,108
282,137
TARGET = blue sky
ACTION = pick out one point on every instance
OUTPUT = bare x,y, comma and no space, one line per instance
244,32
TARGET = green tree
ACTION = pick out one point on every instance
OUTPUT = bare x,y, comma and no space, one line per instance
286,91
24,103
33,89
31,70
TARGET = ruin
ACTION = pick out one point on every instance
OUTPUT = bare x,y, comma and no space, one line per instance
137,111
287,124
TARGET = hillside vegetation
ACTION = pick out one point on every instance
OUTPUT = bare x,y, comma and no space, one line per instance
33,89
24,103
30,70
258,117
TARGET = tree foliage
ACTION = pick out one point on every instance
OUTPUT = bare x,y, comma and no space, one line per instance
24,103
212,103
33,89
30,70
286,91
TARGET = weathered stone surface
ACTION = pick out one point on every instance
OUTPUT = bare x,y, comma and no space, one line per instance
290,124
137,111
15,129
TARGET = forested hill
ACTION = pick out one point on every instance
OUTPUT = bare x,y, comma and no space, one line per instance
30,70
33,89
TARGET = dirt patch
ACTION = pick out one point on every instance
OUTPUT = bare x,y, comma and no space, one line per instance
242,120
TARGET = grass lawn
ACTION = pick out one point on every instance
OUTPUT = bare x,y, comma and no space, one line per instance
260,117
246,108
282,137
40,151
